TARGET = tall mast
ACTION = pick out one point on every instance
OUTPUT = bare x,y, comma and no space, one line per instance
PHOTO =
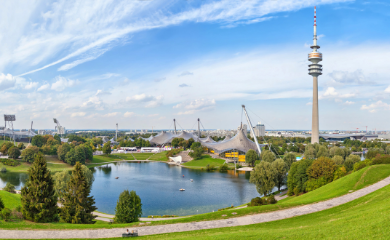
199,127
315,70
174,124
250,126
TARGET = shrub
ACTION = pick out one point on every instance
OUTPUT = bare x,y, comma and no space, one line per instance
13,152
257,201
9,188
339,173
128,208
210,168
9,162
381,159
1,204
271,199
223,168
3,170
6,214
16,213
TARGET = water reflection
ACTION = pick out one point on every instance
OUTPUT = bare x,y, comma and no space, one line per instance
16,179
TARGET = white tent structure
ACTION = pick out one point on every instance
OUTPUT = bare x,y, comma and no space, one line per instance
176,159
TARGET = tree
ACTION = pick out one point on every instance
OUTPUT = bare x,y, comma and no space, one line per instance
251,157
79,154
57,138
38,141
70,157
62,150
21,146
289,159
61,180
338,160
350,161
1,204
310,152
196,153
13,152
175,142
190,142
195,145
128,207
5,146
77,204
38,199
88,176
322,152
263,176
322,167
297,177
28,154
107,148
268,156
280,168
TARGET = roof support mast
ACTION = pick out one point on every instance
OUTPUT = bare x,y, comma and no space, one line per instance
174,124
250,126
198,127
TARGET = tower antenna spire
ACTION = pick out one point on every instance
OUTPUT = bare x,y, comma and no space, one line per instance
315,70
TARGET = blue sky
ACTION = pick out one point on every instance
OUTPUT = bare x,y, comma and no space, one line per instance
92,64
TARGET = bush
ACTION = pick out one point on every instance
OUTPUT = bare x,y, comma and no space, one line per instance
9,188
223,168
271,199
381,159
9,162
128,208
1,204
13,152
257,201
3,170
16,213
210,167
6,214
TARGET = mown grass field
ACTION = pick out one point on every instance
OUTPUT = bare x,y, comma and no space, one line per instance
53,163
159,157
142,156
202,163
354,181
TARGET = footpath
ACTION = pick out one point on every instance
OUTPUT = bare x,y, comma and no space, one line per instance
183,227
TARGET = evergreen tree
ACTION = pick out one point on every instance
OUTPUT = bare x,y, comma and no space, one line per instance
77,204
1,204
128,208
38,196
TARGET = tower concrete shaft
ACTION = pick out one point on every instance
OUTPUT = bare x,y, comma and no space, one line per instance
315,70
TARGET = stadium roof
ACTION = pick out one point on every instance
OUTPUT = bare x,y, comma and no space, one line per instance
208,139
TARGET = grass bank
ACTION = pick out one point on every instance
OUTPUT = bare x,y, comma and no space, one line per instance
204,161
53,163
10,200
354,181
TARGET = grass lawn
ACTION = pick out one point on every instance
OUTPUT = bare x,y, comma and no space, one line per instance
142,156
354,181
159,157
10,200
53,164
202,163
124,156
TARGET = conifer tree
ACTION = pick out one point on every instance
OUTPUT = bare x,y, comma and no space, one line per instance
77,204
128,208
38,198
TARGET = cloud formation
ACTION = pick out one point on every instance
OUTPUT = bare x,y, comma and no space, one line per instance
62,83
6,81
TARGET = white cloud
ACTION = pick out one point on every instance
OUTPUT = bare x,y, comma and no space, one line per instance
94,102
44,87
331,93
102,93
309,103
78,114
185,73
387,89
379,105
153,115
345,77
113,114
6,81
184,85
146,100
62,83
349,103
31,85
196,106
128,114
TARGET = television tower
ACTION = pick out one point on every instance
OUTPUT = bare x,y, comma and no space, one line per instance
315,70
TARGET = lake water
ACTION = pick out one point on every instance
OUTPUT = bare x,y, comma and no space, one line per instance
158,186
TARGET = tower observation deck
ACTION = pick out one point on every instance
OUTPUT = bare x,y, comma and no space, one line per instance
315,70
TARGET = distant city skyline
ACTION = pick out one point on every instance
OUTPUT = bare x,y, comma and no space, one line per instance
142,63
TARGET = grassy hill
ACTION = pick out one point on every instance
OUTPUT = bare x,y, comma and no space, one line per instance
10,200
202,163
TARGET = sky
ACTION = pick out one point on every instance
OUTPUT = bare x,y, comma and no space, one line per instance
142,63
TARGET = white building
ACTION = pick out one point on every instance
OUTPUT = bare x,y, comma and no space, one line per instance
259,130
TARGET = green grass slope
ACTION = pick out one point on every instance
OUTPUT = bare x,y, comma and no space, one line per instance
159,157
10,200
142,156
202,163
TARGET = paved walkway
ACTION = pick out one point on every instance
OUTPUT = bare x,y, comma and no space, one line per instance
107,217
183,227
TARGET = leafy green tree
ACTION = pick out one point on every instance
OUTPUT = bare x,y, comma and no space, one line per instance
195,145
70,157
350,161
289,159
338,160
21,146
322,152
62,150
1,204
57,138
175,142
39,202
38,141
388,150
190,142
88,176
79,154
280,168
28,154
61,180
128,207
322,167
5,146
268,156
9,187
263,176
196,153
297,176
77,204
310,152
107,148
251,157
13,152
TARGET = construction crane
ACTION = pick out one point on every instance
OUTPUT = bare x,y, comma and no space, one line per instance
366,129
357,130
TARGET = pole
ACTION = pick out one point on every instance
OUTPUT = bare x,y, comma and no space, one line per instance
250,125
116,133
199,127
174,124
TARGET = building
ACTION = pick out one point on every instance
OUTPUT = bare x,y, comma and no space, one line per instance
259,130
315,70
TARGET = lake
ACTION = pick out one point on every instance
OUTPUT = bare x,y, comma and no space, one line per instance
158,186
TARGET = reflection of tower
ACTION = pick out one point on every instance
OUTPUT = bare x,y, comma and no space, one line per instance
315,70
